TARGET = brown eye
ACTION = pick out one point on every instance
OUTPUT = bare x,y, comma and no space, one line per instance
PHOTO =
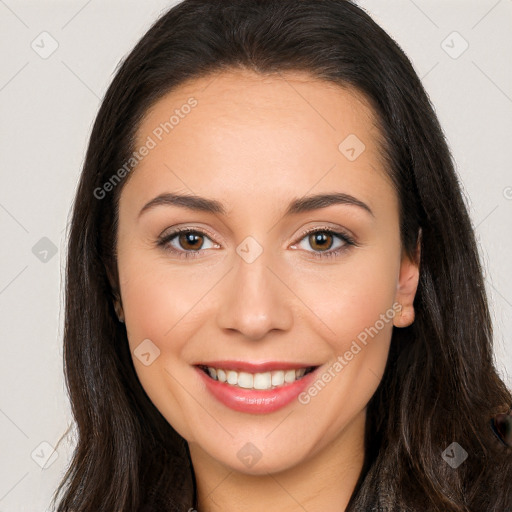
186,242
322,243
321,240
190,240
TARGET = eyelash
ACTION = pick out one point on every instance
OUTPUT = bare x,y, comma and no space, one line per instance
347,239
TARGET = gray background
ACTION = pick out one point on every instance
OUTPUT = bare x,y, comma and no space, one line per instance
48,103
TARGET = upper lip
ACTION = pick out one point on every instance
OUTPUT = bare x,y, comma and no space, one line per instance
255,367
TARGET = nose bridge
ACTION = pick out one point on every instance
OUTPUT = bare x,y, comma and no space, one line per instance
254,301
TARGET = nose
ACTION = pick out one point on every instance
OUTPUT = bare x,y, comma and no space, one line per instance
255,300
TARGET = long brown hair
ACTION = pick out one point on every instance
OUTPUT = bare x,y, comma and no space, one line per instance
440,385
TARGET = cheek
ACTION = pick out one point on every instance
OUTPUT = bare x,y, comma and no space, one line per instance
355,297
160,305
356,304
158,300
355,300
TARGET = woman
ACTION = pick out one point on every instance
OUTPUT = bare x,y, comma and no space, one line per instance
274,298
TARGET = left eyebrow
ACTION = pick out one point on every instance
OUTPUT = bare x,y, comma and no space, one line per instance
300,205
317,201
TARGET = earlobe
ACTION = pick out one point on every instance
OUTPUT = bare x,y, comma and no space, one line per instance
405,317
407,287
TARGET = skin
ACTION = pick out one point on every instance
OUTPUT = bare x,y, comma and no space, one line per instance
255,143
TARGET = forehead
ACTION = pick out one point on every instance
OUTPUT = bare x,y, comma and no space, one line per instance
263,101
259,133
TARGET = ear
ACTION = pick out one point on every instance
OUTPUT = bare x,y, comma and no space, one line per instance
116,296
407,286
119,309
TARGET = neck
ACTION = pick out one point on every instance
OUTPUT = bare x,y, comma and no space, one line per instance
324,481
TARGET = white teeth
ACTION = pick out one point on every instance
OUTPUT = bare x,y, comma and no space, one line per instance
261,381
232,377
289,376
245,380
278,378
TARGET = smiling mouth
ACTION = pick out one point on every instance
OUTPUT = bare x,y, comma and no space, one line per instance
258,381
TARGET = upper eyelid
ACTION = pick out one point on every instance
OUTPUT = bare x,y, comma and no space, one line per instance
186,229
334,231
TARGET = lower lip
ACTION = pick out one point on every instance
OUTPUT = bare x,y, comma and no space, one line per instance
256,401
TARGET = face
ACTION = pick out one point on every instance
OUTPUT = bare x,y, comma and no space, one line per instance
279,271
